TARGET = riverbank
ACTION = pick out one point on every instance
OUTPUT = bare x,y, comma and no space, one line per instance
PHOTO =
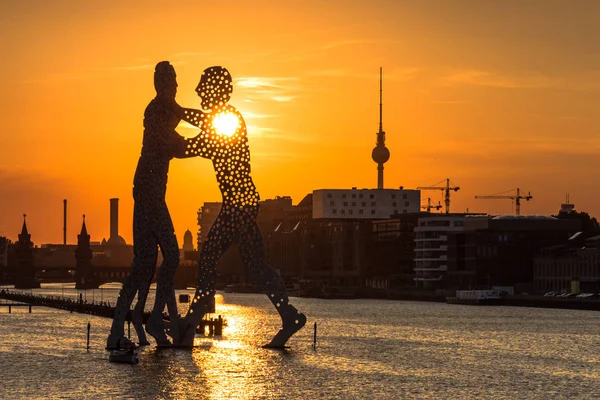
537,301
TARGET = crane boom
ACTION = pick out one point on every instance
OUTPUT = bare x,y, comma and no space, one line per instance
429,206
517,198
446,189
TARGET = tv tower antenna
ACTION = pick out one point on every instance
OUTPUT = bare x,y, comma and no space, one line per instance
380,153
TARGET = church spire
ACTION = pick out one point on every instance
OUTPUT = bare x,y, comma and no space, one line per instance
24,236
24,229
83,227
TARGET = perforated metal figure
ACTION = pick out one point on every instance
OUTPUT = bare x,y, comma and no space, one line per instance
152,225
223,139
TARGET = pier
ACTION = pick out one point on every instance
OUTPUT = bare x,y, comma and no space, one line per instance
101,309
11,305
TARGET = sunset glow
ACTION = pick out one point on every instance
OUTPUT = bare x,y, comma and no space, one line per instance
225,123
493,95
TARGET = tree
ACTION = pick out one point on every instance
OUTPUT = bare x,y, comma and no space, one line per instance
587,222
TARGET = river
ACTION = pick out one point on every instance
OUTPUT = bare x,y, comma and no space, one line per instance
366,349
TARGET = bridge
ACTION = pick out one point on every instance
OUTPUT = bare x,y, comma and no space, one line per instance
92,277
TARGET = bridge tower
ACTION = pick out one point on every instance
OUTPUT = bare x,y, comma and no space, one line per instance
83,254
23,274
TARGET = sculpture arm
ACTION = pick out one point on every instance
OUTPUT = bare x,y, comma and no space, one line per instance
200,145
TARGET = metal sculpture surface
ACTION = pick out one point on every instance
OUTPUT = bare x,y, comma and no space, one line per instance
152,225
223,139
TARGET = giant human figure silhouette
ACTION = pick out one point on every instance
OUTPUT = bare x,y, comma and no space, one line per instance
152,225
223,139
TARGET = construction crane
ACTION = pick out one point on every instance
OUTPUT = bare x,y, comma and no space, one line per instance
446,189
429,206
517,198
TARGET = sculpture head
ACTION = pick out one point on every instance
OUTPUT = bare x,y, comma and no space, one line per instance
215,87
165,80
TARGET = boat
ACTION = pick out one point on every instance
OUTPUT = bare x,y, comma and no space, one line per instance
128,356
476,297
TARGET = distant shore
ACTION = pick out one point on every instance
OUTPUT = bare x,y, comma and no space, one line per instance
537,301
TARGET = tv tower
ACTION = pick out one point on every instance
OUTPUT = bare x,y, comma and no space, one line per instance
380,153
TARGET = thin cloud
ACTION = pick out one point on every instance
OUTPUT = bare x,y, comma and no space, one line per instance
278,89
398,74
275,134
475,77
251,115
254,82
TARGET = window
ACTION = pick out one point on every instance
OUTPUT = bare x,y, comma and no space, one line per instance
406,203
360,196
360,211
328,195
372,204
393,195
343,212
345,204
372,211
332,203
353,204
371,196
394,204
334,211
353,195
404,196
344,196
364,204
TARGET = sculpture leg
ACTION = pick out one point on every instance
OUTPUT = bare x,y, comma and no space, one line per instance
218,241
252,250
138,311
165,288
144,262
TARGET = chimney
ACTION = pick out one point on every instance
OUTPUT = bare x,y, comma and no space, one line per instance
65,221
114,218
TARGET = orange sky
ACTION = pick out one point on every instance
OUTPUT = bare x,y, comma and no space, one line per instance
494,95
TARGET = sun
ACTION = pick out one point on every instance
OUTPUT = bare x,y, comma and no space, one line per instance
225,123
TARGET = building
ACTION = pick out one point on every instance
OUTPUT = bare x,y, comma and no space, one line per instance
391,252
207,215
364,203
333,253
273,214
431,248
499,251
572,266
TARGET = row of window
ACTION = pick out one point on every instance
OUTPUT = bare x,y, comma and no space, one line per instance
360,196
441,223
364,204
360,211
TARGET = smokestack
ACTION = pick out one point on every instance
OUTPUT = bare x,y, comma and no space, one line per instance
65,222
114,218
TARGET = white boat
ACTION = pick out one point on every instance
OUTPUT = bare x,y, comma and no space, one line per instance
482,297
123,356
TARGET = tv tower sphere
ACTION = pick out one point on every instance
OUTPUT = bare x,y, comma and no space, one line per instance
380,154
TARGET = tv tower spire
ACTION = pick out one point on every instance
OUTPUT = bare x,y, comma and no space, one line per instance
380,153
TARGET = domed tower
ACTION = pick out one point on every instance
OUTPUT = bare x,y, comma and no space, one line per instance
188,241
380,153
